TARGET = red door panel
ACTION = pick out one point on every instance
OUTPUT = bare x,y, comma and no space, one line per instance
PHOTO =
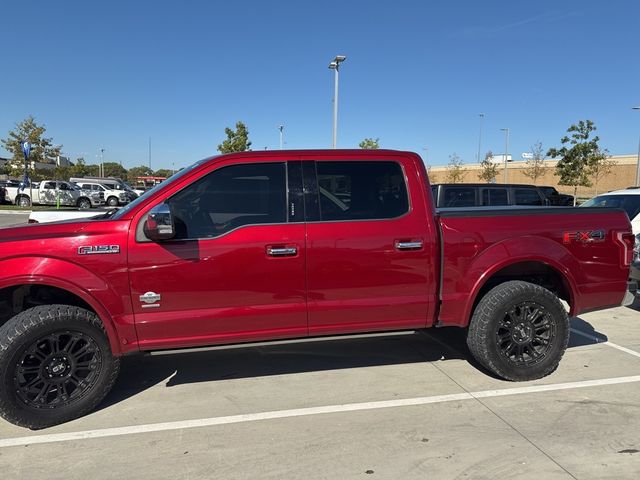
219,290
370,274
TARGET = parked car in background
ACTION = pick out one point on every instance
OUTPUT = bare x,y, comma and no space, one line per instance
556,198
449,195
52,192
629,201
113,197
116,191
48,216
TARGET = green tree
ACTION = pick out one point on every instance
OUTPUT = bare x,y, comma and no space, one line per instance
42,148
370,143
81,169
577,157
114,169
237,140
163,172
488,169
601,167
141,171
535,167
455,170
61,173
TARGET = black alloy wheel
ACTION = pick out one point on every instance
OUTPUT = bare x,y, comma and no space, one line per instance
525,334
57,370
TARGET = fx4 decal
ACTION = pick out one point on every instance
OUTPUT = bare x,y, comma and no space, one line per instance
588,236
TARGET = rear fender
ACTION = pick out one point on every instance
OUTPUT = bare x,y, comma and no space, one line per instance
458,300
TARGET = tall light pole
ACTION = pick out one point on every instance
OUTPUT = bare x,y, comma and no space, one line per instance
638,164
102,162
481,115
506,152
426,154
149,153
335,66
281,128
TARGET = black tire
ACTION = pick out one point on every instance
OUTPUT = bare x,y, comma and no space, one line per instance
23,201
84,203
113,201
519,331
63,353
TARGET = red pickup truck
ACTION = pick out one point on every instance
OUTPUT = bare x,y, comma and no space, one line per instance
287,244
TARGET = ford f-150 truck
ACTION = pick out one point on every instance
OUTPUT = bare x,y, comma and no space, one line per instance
259,246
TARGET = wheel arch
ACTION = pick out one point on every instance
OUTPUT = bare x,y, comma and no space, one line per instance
79,295
529,258
544,272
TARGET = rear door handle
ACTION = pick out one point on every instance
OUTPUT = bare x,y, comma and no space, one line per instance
282,251
409,244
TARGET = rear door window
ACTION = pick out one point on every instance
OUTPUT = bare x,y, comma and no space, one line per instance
361,190
459,197
495,196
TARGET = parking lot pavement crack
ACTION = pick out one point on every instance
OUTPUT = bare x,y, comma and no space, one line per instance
493,412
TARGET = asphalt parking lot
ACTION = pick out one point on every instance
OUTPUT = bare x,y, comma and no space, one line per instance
404,406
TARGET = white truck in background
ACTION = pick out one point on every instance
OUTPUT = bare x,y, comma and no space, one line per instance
115,191
53,192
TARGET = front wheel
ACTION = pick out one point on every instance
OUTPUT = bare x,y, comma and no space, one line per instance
113,202
55,365
519,331
23,201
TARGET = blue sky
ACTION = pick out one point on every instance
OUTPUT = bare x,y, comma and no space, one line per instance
112,74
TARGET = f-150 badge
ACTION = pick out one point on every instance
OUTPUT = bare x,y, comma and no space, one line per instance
96,249
149,299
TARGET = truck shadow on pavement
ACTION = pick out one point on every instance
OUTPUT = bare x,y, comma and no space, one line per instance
140,372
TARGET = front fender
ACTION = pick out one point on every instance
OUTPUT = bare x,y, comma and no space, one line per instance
459,292
113,308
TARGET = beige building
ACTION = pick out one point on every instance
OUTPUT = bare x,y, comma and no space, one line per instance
622,175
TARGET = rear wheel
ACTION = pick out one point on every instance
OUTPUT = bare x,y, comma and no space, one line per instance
519,331
84,203
55,365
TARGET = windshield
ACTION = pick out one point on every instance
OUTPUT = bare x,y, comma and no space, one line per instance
159,186
630,203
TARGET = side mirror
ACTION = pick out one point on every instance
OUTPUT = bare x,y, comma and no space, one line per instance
159,223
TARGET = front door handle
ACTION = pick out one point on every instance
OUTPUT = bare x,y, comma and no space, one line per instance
282,251
409,244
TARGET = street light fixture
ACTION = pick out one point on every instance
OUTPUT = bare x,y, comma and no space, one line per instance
335,66
506,152
638,164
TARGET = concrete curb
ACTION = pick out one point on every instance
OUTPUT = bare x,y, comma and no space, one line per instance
16,212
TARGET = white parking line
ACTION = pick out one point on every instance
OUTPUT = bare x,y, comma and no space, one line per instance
607,343
300,412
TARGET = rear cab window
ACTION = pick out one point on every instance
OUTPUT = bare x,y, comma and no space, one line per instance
526,196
